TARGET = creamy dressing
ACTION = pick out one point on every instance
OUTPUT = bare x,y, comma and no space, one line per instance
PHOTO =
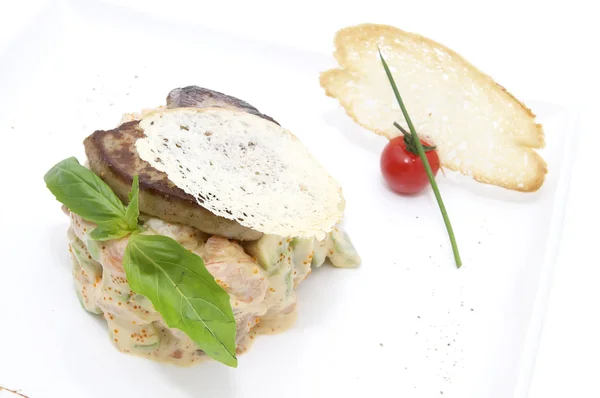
263,298
262,302
277,324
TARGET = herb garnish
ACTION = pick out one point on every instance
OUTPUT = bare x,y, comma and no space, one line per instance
421,151
183,291
175,280
83,192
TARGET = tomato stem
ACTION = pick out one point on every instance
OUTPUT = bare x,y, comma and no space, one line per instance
409,141
421,153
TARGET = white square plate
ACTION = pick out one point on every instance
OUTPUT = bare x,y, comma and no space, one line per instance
406,323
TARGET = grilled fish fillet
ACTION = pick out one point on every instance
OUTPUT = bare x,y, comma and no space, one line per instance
112,156
198,97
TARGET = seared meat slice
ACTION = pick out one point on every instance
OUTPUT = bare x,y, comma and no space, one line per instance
112,156
198,97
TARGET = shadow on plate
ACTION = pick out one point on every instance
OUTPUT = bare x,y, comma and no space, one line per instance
207,379
322,284
56,242
356,134
468,184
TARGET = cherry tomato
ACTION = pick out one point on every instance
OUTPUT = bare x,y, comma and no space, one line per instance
403,170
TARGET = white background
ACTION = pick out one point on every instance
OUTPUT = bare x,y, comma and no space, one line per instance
537,49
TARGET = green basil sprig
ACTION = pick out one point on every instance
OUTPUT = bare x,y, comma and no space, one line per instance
83,192
175,280
108,230
183,291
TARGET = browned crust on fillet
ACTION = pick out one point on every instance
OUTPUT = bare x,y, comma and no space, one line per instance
113,157
200,97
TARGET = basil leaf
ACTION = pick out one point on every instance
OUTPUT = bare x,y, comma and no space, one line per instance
83,192
183,291
132,213
113,229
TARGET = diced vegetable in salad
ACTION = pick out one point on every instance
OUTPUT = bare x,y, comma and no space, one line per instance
260,278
